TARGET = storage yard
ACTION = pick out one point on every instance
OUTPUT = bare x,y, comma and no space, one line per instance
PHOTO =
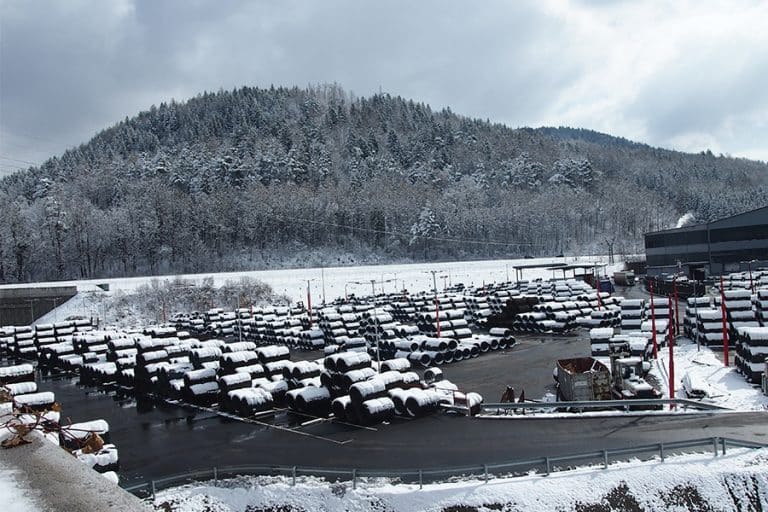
363,382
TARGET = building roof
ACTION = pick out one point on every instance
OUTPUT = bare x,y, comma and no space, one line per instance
577,266
539,265
703,225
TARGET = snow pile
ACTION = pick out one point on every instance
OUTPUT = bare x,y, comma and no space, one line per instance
725,387
14,496
692,482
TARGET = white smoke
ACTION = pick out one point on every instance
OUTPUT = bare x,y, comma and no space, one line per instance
685,220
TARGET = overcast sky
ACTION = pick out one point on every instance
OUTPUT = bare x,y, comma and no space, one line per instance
678,74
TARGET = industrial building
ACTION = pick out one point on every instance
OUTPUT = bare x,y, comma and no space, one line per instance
732,244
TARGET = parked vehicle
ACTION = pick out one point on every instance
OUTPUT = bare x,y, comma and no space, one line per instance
583,378
624,278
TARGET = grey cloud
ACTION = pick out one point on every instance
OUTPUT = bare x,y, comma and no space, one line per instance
692,97
69,69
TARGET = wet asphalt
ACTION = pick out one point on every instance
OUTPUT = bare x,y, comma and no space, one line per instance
156,439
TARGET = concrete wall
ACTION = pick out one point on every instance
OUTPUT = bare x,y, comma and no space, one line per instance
22,306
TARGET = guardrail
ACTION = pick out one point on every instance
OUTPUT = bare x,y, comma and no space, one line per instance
607,404
546,465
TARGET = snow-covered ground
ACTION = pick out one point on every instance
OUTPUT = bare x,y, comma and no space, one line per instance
724,386
325,283
293,282
14,495
689,482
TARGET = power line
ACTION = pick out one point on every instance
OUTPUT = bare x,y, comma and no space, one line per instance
28,136
12,166
3,157
396,233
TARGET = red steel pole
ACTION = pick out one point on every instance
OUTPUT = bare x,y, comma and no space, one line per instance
677,317
437,315
653,325
671,360
725,324
309,305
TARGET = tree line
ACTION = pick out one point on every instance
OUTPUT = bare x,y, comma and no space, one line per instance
264,178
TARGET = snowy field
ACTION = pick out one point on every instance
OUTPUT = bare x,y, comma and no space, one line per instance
724,386
690,482
329,283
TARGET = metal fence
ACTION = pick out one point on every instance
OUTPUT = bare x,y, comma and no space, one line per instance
627,405
544,465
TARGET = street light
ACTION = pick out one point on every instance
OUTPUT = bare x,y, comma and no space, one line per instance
309,301
322,277
378,352
437,301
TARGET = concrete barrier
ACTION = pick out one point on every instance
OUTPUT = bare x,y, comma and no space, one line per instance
56,480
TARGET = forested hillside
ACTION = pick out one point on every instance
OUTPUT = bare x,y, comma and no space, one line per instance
255,178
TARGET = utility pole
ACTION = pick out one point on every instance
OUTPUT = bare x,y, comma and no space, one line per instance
671,359
696,312
237,313
378,353
322,277
437,301
434,280
677,307
725,324
653,324
309,302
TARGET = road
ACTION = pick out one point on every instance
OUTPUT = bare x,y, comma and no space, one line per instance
163,440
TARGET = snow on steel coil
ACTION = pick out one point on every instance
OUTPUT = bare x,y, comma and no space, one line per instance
350,378
366,390
422,403
272,353
21,388
376,410
198,376
313,400
338,407
399,364
347,361
44,398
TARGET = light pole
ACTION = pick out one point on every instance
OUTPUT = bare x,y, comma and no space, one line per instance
696,312
237,313
378,353
437,301
309,302
322,277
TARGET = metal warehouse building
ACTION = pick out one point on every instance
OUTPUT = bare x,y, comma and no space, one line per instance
726,245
